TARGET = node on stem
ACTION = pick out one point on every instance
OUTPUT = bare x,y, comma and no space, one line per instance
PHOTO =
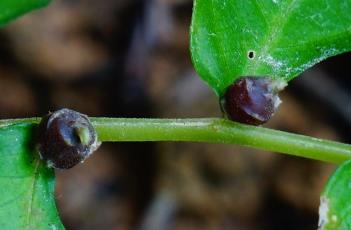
66,138
252,100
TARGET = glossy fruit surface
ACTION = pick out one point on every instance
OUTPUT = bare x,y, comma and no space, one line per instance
252,100
66,138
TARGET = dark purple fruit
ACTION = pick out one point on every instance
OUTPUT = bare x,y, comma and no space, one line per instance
66,138
252,100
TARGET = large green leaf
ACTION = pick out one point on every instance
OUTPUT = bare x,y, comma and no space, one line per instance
285,36
26,184
335,208
10,9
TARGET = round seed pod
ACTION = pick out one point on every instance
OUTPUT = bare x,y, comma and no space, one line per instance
252,100
66,138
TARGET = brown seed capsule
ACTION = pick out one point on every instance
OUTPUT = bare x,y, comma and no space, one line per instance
66,138
252,100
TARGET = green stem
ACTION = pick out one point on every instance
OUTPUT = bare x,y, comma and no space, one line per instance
214,130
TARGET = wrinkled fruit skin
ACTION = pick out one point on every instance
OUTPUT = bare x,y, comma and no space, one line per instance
66,138
252,100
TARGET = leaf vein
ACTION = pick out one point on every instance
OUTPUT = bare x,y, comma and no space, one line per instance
32,191
274,30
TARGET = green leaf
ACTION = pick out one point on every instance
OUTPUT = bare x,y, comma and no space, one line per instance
335,207
26,184
10,9
285,36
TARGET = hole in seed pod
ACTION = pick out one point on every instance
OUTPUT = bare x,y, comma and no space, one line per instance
252,100
66,138
251,54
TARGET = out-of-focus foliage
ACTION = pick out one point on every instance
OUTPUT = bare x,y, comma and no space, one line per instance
10,9
335,208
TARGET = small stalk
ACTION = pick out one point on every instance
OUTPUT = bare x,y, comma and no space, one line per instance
213,130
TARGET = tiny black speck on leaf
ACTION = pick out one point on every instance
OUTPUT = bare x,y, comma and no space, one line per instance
66,138
251,54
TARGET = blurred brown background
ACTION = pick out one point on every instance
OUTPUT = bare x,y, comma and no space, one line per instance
130,58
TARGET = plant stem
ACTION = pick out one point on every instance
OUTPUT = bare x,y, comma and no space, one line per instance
214,130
